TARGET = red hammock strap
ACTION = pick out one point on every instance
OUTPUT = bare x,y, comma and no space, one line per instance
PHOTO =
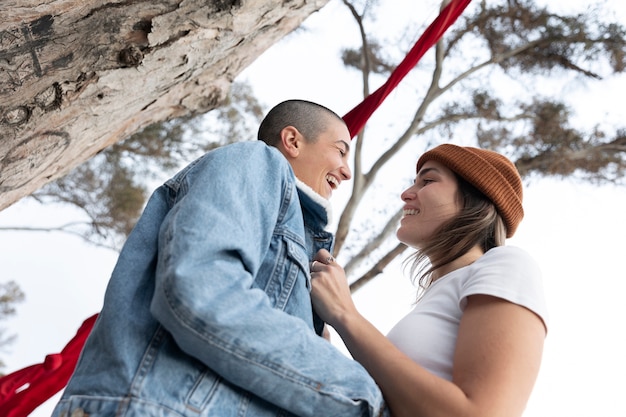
359,115
24,390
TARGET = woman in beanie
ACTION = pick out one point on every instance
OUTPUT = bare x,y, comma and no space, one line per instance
472,345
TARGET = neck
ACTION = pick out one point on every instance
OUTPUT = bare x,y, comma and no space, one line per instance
462,261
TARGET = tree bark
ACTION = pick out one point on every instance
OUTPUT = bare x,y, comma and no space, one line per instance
78,76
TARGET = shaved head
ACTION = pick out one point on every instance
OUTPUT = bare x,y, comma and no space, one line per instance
311,120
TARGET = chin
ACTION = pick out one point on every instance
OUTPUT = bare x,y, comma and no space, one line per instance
407,237
399,235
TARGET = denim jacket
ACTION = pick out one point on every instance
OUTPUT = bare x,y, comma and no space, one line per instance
208,313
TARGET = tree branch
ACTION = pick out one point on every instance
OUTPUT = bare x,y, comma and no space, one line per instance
372,245
378,268
62,229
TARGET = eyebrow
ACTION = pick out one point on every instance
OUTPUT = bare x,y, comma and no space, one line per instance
346,144
425,171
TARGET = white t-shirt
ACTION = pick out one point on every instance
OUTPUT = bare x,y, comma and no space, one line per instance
428,333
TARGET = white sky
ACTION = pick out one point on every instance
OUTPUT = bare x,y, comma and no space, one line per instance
575,231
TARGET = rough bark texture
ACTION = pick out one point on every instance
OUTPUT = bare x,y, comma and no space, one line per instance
77,76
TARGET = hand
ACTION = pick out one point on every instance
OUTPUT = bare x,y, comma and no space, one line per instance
330,291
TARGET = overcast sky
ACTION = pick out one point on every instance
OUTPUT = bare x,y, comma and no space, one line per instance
575,231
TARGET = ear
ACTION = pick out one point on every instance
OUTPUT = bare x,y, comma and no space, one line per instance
291,140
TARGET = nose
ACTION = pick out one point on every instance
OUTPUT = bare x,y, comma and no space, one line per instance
345,172
408,194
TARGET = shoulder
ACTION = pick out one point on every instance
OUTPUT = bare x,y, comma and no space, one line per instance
252,160
249,151
508,257
508,266
510,273
239,167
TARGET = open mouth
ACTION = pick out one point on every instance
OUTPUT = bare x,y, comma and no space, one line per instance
409,212
332,181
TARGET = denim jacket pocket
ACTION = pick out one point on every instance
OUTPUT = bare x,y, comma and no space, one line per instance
203,390
284,271
297,254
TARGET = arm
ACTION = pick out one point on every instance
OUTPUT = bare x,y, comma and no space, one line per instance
496,360
211,246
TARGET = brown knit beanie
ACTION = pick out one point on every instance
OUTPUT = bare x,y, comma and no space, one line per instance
491,173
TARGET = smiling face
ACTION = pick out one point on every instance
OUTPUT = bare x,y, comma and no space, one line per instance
321,163
430,202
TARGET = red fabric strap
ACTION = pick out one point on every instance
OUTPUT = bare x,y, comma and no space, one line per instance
24,390
358,116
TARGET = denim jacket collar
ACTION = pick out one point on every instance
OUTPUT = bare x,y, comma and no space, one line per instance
316,209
